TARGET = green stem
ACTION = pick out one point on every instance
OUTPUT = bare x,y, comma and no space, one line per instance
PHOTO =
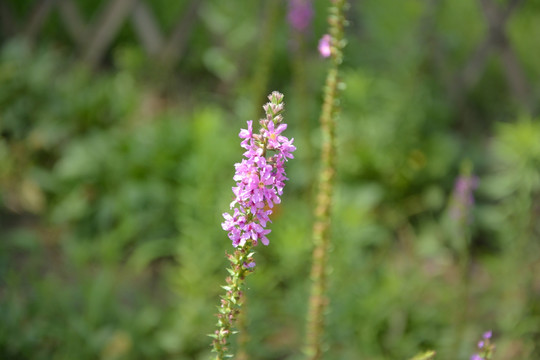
300,89
318,301
231,302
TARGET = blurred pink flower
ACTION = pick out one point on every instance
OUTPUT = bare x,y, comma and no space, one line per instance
463,198
300,14
324,46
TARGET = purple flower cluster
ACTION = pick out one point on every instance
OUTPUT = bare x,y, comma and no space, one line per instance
485,348
260,177
300,14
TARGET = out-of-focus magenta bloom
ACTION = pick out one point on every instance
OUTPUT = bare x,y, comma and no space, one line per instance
463,198
325,48
260,177
300,14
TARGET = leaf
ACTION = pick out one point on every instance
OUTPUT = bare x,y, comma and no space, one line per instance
428,355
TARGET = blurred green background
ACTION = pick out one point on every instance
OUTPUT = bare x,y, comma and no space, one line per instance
115,169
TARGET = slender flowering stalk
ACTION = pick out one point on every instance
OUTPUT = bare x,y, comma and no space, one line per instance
260,178
463,198
461,205
318,301
460,215
300,16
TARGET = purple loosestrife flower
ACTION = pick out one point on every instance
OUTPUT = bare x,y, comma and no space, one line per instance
260,177
300,14
325,48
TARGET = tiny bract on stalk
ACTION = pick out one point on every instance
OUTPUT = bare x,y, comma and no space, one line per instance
260,178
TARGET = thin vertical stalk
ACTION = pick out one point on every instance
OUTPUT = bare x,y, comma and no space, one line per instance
243,334
231,303
461,213
318,301
300,88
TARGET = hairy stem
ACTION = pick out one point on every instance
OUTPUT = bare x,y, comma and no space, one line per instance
318,301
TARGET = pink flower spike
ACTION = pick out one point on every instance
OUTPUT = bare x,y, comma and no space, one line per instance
325,48
260,177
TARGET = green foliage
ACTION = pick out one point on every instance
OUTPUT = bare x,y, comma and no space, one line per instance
111,192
